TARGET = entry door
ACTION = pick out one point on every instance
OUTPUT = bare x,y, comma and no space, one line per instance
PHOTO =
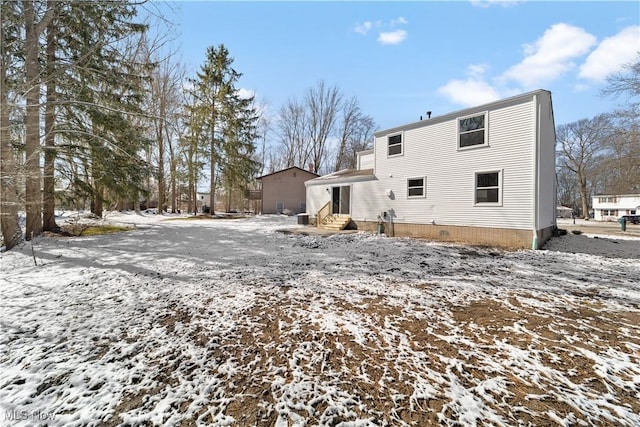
340,200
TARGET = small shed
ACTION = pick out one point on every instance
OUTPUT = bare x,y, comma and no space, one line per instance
284,191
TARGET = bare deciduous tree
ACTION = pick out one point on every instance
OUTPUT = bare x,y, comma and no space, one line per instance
350,114
323,103
306,128
359,130
580,145
622,166
295,147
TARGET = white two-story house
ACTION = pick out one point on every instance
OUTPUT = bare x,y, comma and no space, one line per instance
609,207
483,175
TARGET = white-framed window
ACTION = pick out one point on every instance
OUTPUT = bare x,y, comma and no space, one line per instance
472,131
416,187
609,212
488,188
394,145
607,199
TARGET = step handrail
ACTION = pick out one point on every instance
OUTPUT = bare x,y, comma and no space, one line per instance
324,212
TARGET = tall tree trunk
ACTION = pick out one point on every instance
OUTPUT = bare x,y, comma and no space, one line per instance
33,197
98,188
584,195
96,200
212,170
174,183
9,222
161,180
173,172
48,184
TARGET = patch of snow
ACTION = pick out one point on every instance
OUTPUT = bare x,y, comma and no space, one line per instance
187,320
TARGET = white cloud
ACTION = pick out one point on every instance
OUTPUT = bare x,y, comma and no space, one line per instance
392,37
611,54
398,21
472,91
246,93
469,92
477,70
363,28
550,56
388,32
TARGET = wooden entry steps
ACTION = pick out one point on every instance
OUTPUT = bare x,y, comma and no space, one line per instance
335,222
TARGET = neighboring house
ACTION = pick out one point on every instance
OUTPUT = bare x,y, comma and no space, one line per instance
483,175
609,207
564,212
284,191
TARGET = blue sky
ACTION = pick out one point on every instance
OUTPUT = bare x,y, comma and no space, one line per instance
401,59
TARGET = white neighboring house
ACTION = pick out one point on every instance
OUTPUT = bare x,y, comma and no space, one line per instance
609,207
483,175
563,212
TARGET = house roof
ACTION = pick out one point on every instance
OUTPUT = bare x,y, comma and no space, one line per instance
617,195
344,175
455,114
284,170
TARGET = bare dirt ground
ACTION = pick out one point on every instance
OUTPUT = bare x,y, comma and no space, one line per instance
231,323
379,379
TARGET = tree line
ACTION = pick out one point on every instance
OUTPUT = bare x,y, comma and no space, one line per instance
601,155
96,111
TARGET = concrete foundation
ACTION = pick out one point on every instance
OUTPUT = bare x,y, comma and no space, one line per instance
500,237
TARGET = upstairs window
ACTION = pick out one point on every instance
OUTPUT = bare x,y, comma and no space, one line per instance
488,188
608,199
471,131
394,145
416,187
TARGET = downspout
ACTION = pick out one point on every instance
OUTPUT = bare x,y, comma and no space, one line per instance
536,174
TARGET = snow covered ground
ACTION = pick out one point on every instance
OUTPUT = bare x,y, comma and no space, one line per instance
230,322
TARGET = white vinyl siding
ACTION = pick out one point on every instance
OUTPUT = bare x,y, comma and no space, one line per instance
433,150
366,161
430,149
546,185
